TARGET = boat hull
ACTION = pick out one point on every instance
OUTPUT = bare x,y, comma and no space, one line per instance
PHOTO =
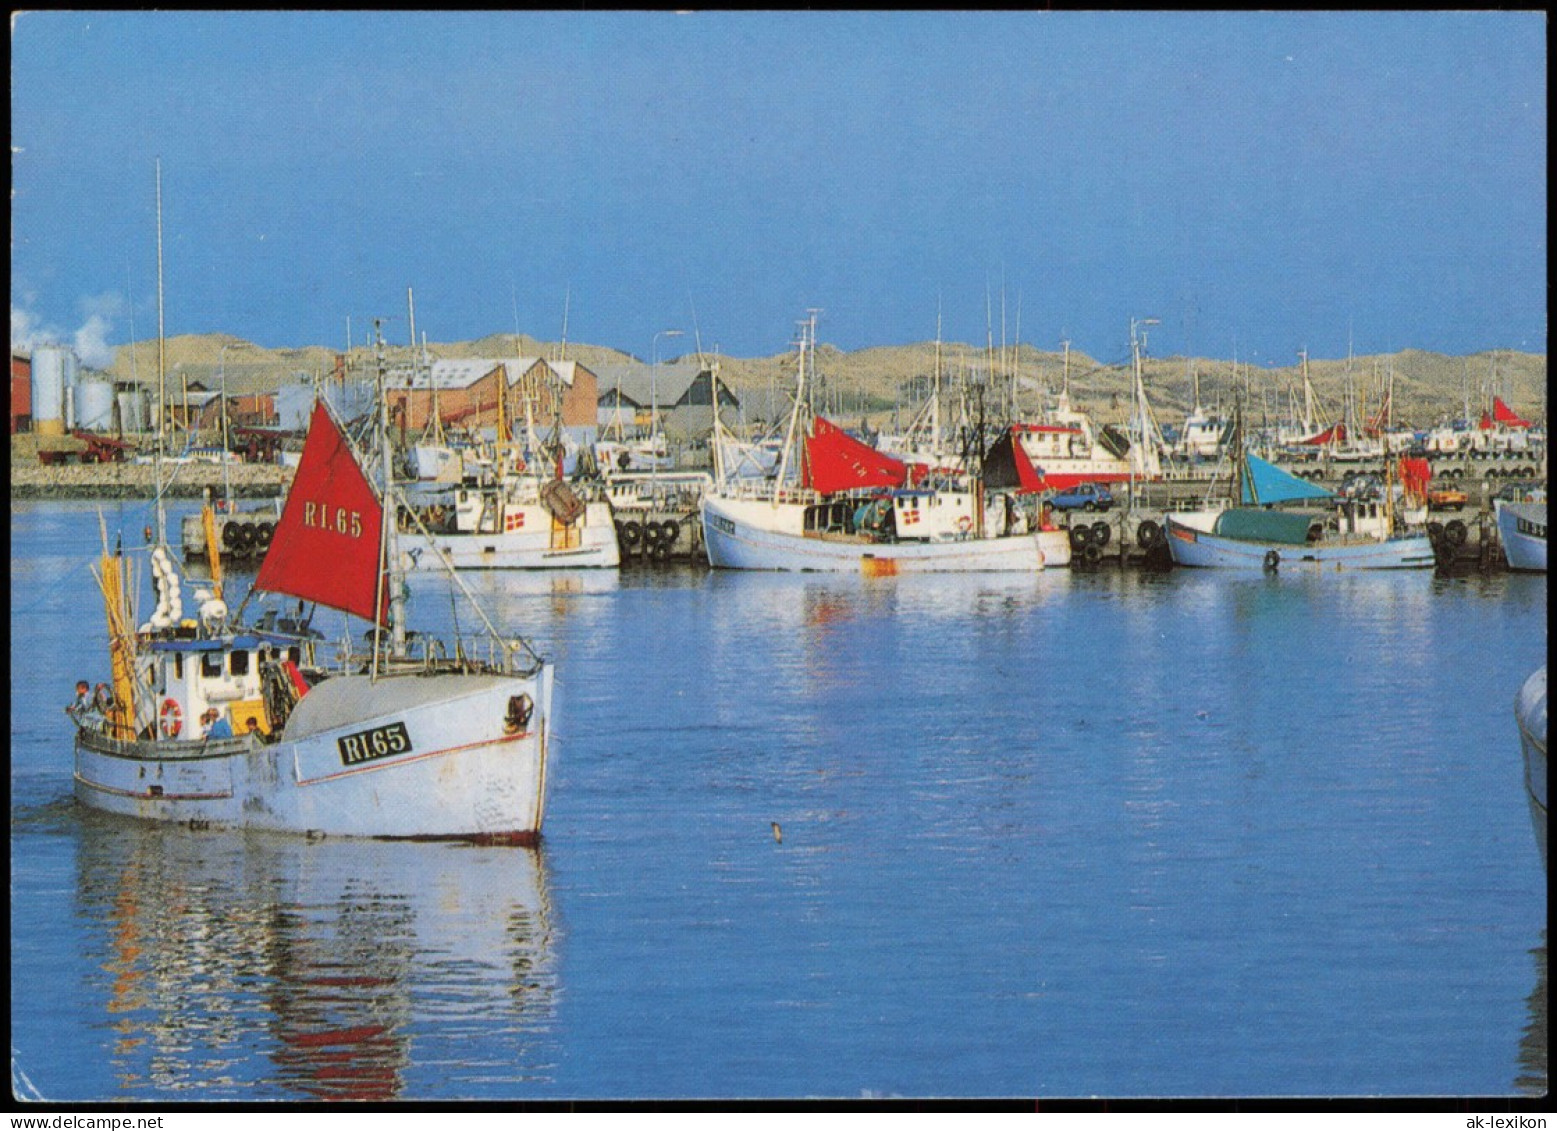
531,547
1530,713
751,534
1198,549
1522,530
424,756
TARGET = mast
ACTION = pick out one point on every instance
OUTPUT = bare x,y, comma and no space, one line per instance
162,372
935,393
800,400
389,543
1308,395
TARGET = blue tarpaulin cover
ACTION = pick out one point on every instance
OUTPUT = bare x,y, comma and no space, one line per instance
1270,484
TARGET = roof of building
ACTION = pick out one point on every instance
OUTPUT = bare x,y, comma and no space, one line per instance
462,373
642,384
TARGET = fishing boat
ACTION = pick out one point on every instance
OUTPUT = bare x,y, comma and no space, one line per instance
212,721
1530,714
1251,533
1522,530
216,723
511,509
836,504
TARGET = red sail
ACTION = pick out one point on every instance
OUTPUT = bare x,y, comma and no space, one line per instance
1507,416
836,461
326,546
1333,434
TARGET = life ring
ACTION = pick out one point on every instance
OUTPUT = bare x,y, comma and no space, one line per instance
172,719
230,535
964,524
1272,561
1148,534
264,532
1101,533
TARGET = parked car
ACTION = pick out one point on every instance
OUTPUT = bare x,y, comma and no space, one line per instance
1446,499
1084,497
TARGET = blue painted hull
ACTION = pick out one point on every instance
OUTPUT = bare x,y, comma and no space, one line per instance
1199,550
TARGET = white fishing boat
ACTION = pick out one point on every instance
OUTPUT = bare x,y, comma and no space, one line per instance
215,723
511,521
511,509
211,721
1068,450
837,504
1522,530
1530,714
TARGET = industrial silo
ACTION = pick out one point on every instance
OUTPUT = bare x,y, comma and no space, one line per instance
134,411
94,404
53,372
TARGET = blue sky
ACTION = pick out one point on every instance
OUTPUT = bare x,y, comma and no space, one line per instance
1259,182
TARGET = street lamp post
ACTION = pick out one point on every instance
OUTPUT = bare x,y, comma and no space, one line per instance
654,397
226,448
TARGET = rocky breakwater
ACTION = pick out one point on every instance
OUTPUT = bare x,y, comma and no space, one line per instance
33,480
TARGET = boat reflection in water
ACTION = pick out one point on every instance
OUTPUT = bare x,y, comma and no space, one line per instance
1532,1079
268,966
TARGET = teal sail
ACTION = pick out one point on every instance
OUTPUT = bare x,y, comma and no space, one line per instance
1266,483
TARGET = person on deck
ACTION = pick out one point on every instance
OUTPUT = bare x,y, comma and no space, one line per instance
83,701
216,724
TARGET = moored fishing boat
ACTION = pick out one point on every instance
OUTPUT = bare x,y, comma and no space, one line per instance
1530,714
212,721
1251,534
836,504
1522,531
513,521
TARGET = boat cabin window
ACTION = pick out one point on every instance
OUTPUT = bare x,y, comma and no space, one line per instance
238,663
295,654
211,664
178,665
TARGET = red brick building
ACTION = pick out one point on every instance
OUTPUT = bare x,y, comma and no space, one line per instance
21,393
467,393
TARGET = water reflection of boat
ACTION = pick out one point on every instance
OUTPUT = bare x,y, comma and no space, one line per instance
1532,1078
262,966
1530,713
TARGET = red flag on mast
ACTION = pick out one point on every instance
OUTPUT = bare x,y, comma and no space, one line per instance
326,546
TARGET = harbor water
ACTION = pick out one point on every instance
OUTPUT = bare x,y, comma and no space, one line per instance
1113,833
